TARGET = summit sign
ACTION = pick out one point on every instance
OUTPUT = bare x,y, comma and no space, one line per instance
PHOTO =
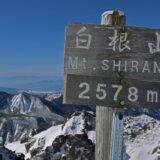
125,57
101,50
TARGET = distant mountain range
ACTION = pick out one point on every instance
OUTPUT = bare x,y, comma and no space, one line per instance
24,114
9,90
37,83
41,127
29,123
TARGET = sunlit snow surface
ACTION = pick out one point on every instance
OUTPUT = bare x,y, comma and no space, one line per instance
49,135
143,139
73,126
141,133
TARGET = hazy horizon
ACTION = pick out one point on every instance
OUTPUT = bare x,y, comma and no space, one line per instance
32,33
37,83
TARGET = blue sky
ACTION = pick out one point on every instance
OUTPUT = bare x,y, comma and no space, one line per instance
32,31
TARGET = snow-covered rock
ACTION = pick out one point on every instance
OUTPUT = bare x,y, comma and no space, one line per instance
78,133
35,126
6,154
69,147
141,137
24,114
52,96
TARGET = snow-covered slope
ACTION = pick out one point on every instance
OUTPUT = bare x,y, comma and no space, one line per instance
79,130
6,154
38,127
31,105
77,134
142,138
39,141
25,114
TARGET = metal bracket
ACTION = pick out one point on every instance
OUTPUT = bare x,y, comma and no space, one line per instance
117,143
117,140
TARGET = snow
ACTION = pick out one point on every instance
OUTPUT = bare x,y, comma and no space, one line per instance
16,146
146,144
51,97
44,139
141,136
1,140
24,103
49,135
74,125
31,105
141,133
92,136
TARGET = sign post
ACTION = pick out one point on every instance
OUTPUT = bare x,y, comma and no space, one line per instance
111,66
109,121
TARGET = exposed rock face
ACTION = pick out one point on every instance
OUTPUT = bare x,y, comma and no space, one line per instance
141,137
69,147
24,114
73,140
65,109
37,125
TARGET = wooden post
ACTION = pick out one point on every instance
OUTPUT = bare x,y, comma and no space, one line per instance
105,116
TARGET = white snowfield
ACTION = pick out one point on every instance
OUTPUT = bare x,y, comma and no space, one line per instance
146,142
141,137
49,135
44,139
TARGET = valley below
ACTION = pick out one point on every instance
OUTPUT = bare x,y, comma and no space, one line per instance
41,127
